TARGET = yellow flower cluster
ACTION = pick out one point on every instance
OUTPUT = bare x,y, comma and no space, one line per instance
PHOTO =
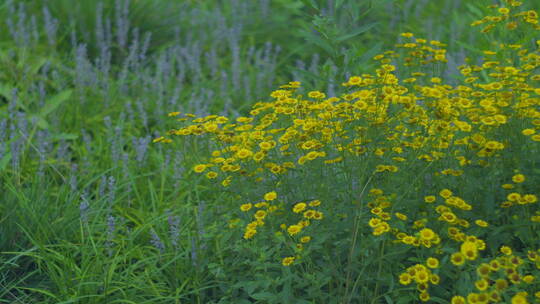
388,123
264,208
510,19
499,275
422,275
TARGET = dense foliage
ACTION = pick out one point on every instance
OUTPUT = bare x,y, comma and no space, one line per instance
269,152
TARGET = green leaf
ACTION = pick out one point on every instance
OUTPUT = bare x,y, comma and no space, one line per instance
54,102
475,10
4,161
40,121
338,4
64,136
356,32
319,42
35,66
469,47
311,3
263,296
5,90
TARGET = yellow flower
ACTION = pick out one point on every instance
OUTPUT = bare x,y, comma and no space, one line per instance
299,207
506,250
294,229
265,145
316,94
528,132
427,234
513,197
305,239
458,300
200,168
249,233
318,215
287,261
270,196
355,80
519,299
483,270
244,153
405,279
309,214
424,296
504,10
518,178
457,258
429,199
211,175
445,193
260,214
530,198
481,284
528,279
481,223
246,207
315,203
469,250
401,216
432,262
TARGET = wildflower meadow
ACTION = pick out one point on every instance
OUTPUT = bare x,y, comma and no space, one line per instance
314,151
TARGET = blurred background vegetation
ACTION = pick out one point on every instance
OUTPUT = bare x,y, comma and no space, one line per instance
84,87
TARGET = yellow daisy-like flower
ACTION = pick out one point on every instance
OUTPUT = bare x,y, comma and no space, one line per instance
200,168
481,223
469,250
430,199
244,153
299,207
405,279
407,35
458,300
305,239
287,261
246,207
457,258
401,216
309,214
315,203
432,262
481,284
530,198
445,193
528,132
211,175
294,229
506,250
270,196
483,270
519,299
518,178
427,234
424,296
528,279
260,214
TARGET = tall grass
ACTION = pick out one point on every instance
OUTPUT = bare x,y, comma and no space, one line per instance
93,211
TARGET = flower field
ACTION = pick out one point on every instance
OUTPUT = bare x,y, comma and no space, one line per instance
195,158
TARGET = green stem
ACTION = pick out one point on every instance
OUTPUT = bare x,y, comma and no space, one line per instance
379,271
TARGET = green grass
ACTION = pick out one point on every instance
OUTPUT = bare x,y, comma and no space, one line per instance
93,212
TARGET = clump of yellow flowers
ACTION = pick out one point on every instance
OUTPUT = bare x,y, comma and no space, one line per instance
387,123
